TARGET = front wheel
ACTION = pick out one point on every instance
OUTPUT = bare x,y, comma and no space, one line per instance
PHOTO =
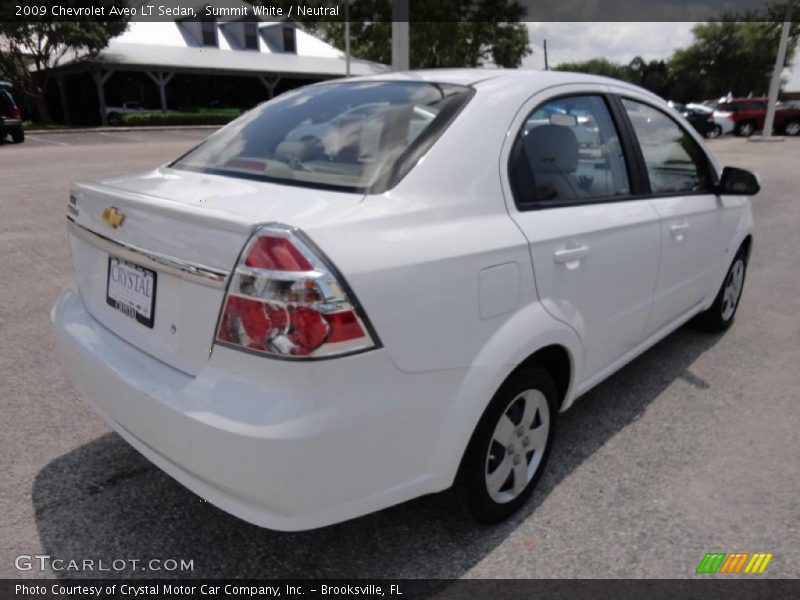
509,448
720,315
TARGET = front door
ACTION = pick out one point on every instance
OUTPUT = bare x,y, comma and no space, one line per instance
681,186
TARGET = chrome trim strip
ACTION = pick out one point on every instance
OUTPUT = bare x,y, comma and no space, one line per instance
180,268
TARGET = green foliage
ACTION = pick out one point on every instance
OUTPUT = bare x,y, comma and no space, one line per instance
446,33
652,75
200,117
729,57
733,55
32,47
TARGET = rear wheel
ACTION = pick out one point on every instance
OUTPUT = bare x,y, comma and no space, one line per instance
720,315
714,132
792,128
18,136
745,129
509,448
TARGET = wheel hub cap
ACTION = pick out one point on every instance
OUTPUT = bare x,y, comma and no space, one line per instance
517,446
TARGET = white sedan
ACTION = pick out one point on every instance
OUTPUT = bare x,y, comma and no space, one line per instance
302,337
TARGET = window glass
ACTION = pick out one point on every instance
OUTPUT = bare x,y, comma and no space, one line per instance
251,36
337,135
571,152
209,29
288,39
6,103
675,162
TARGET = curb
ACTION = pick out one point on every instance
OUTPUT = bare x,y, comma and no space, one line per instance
123,129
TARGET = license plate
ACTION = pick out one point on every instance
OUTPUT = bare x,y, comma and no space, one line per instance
131,290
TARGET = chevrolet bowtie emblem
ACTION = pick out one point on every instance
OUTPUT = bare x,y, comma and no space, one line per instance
112,217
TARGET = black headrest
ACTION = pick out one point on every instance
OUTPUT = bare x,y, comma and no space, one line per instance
552,149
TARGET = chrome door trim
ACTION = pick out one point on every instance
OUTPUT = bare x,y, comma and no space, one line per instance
193,272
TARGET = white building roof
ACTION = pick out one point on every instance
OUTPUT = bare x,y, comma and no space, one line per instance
177,45
207,59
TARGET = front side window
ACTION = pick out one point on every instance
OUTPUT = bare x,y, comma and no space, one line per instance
675,162
568,151
345,136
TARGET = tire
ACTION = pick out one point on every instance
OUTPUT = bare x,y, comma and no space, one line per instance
18,136
114,119
745,129
714,132
522,416
792,128
721,314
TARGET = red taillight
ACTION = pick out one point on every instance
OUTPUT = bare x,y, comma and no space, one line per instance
16,113
285,300
276,254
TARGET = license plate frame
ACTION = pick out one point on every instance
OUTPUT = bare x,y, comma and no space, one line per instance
128,299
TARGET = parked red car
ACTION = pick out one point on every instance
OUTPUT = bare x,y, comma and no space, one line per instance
748,115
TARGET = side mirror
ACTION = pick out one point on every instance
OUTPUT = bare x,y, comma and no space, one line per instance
738,182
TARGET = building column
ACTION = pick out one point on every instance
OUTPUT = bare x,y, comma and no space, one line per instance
161,79
100,79
270,84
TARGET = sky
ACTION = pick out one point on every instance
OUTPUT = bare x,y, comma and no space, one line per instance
618,42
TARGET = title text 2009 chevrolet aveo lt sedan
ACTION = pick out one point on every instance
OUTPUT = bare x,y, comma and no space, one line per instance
368,290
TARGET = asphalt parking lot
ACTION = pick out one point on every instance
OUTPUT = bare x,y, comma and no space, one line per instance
692,448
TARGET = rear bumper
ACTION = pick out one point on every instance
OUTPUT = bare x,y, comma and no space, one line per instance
9,125
284,445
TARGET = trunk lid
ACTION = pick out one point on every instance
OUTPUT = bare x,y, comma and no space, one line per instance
188,228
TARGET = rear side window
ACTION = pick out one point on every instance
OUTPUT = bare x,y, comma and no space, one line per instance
352,136
675,162
568,152
6,103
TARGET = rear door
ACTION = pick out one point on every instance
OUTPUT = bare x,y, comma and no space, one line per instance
595,246
680,180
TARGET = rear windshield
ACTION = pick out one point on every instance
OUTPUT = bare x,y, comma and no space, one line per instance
354,136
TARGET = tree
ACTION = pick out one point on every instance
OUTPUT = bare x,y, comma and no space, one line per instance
652,75
596,66
446,33
29,49
728,56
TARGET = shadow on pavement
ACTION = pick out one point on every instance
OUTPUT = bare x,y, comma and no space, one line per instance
104,501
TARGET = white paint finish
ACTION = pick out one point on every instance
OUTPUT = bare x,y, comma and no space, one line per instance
245,423
606,296
498,290
691,231
426,260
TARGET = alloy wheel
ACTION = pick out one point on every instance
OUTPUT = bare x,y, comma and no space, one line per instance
733,289
517,446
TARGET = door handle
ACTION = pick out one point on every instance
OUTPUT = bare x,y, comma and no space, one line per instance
569,255
678,229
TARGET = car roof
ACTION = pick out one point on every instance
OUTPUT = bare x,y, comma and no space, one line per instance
478,75
528,79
